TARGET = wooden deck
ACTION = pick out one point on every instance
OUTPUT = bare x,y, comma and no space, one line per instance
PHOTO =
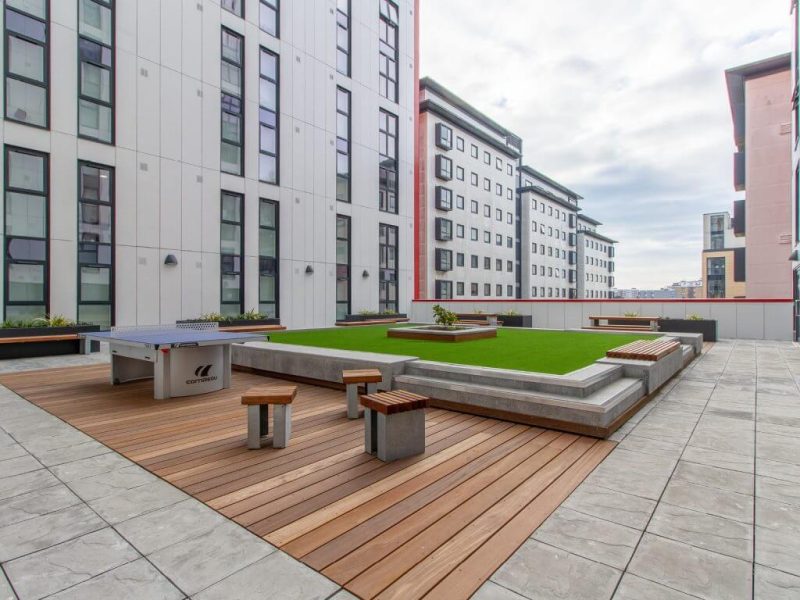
433,526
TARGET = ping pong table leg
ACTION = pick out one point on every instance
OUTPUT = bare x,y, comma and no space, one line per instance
226,366
161,376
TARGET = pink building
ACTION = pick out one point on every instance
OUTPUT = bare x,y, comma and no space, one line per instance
761,105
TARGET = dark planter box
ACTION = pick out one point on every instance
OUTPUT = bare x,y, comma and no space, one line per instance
707,327
238,322
516,320
624,322
44,348
360,318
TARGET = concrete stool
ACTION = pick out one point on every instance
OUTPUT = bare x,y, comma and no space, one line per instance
258,401
394,424
351,379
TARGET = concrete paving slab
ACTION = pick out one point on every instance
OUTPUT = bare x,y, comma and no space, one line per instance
775,585
126,504
722,503
611,505
635,588
135,580
489,591
716,477
36,503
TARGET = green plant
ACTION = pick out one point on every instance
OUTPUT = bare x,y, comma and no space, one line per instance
51,321
251,315
510,313
59,321
388,311
631,314
444,317
365,312
695,318
478,311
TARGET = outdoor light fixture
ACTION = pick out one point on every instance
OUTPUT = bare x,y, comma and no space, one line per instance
309,270
365,273
171,260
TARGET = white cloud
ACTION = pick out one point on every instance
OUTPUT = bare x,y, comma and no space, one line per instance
623,101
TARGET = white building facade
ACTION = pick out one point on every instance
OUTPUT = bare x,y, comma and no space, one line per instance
170,158
595,260
549,214
467,205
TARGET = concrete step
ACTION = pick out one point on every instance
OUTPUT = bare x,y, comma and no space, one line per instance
597,410
580,384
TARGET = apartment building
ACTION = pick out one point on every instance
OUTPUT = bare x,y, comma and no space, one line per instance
548,240
760,96
467,203
595,259
724,264
795,144
169,159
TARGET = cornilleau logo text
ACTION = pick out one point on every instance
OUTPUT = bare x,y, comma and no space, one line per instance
202,375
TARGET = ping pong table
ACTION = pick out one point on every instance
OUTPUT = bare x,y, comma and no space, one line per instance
183,359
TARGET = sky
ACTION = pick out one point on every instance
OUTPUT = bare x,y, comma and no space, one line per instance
623,101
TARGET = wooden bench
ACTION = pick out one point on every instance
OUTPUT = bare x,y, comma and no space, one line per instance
472,322
351,379
645,349
619,327
258,400
394,424
639,323
370,322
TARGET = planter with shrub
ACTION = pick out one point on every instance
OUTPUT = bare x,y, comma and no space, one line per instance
694,324
514,319
250,318
373,315
26,332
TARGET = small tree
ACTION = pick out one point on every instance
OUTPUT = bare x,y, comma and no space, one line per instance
444,317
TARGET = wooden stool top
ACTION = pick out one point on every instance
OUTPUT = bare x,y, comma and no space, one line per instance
651,350
361,376
390,403
276,394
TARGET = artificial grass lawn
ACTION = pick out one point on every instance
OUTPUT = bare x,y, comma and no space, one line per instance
555,352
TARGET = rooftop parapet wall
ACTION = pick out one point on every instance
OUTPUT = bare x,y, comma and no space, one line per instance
746,319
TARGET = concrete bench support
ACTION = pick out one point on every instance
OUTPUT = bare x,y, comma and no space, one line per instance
394,424
352,379
258,401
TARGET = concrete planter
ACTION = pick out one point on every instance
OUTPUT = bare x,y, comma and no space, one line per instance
490,318
45,347
437,333
623,322
516,320
708,327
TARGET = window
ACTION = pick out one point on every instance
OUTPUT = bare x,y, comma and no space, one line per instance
715,276
27,62
473,261
444,229
388,50
232,83
342,145
487,158
473,206
509,194
231,249
444,136
444,290
444,198
342,37
717,232
509,169
487,211
460,288
444,259
473,289
473,234
387,169
387,290
460,173
95,244
268,257
498,189
487,289
498,239
460,146
27,234
498,214
473,151
498,163
96,70
459,231
444,167
498,290
498,264
509,218
268,118
487,237
487,184
460,202
233,6
473,179
487,263
342,266
460,259
509,267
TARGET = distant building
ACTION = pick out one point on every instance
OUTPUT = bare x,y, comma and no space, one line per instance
723,258
760,96
634,294
688,289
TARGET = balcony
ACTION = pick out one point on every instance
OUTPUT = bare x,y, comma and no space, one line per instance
738,171
739,222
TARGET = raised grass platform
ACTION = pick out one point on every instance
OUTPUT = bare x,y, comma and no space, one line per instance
443,334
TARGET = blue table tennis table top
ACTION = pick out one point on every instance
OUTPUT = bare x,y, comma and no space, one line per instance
175,337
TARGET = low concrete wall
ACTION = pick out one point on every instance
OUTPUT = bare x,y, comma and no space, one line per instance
743,319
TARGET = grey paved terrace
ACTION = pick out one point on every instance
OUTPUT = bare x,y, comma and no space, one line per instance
701,499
